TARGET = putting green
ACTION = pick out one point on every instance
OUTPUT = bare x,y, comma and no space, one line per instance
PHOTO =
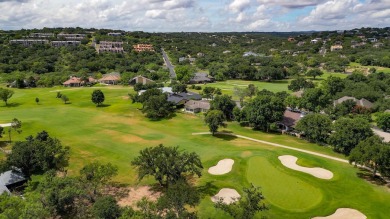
282,190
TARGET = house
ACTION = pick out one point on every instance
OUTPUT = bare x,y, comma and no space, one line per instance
290,120
291,39
201,78
362,102
199,54
140,79
114,34
65,43
72,82
183,97
247,54
77,82
226,51
182,59
301,43
195,106
143,48
11,180
336,48
372,40
111,78
378,45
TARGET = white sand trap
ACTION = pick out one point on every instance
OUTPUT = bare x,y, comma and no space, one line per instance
291,162
6,125
228,195
344,213
224,166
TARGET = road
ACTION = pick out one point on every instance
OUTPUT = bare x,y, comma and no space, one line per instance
172,73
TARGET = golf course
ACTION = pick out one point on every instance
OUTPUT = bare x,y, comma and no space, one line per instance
116,131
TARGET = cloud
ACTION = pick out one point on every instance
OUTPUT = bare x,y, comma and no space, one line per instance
239,5
290,3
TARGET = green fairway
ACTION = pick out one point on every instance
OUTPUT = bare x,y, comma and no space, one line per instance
118,131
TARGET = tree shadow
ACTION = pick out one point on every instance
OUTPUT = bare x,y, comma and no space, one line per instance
103,105
10,105
368,176
209,189
225,137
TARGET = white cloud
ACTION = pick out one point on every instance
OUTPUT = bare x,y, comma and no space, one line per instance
290,3
239,5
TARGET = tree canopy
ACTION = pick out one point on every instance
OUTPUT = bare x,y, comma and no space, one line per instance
167,164
5,95
316,127
348,133
97,97
214,119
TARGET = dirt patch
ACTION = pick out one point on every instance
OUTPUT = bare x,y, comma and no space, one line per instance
344,213
246,154
135,195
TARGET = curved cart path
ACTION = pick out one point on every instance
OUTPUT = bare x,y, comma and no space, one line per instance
277,145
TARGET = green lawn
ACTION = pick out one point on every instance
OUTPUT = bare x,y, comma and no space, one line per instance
115,133
357,66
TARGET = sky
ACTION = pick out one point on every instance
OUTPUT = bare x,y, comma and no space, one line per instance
196,15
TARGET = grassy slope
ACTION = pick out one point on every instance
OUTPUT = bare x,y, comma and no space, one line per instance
117,132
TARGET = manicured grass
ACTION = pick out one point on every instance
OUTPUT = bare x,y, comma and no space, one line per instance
357,66
117,132
227,87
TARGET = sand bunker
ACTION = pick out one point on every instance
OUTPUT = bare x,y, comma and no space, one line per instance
344,213
224,166
6,125
290,162
228,195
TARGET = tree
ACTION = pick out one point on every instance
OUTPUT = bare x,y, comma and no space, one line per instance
246,206
210,92
97,97
95,175
225,104
241,93
374,153
5,95
62,196
1,131
333,85
167,164
264,110
316,127
176,199
300,84
383,121
16,125
106,208
64,98
314,73
184,73
251,90
179,87
157,107
314,99
37,100
38,155
348,133
293,102
214,119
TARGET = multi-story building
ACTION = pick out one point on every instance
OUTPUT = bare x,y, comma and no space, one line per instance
143,47
71,36
28,42
109,46
41,35
65,43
